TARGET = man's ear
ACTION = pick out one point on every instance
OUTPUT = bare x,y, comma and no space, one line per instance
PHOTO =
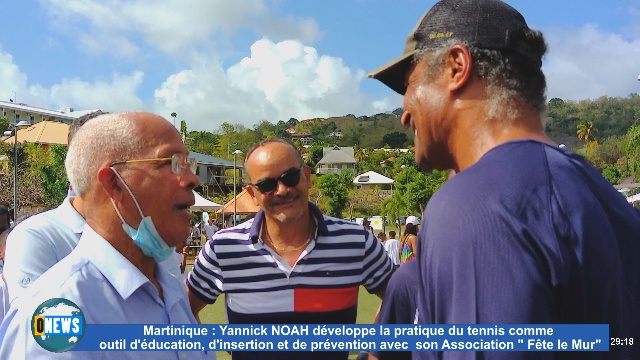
110,183
251,192
459,64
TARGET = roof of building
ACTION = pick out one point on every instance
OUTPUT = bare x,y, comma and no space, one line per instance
372,178
43,132
211,160
338,155
244,205
67,114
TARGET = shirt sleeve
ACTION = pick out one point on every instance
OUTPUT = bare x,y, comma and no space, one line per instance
28,255
399,305
377,266
206,279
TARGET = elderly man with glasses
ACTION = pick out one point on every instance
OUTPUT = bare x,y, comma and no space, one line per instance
290,264
137,184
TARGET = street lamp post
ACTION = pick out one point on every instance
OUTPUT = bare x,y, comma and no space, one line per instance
237,152
15,166
406,175
229,146
406,183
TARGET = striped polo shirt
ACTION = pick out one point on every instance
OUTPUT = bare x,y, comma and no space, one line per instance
261,287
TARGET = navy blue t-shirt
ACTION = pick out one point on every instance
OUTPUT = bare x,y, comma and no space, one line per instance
531,233
399,304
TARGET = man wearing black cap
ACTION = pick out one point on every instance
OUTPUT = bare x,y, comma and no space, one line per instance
526,232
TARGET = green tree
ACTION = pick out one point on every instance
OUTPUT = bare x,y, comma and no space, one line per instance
394,206
633,150
346,178
613,174
314,154
585,131
4,124
183,131
54,177
292,122
203,142
329,185
421,187
394,139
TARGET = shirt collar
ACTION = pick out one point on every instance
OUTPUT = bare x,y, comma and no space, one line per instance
72,218
119,271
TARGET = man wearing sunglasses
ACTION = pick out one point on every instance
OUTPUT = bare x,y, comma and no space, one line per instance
132,172
290,264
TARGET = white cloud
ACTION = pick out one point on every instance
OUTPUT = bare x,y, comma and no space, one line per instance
278,81
12,79
589,62
171,26
116,94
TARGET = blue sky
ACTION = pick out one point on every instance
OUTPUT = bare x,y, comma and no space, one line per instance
244,61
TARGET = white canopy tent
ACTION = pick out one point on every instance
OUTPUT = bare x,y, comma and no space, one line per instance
203,204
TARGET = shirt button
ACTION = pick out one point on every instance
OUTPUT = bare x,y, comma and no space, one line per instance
184,355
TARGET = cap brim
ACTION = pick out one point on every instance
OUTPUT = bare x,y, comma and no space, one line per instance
393,74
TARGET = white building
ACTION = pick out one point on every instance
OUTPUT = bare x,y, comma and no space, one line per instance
18,112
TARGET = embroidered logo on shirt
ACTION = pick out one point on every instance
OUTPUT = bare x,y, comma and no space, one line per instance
25,280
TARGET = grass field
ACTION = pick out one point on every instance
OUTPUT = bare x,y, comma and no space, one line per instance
367,307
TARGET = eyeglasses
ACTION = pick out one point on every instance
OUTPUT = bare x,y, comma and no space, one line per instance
179,163
289,178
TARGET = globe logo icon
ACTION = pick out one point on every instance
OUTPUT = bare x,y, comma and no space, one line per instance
58,325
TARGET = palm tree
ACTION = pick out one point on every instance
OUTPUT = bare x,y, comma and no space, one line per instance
586,131
394,206
174,115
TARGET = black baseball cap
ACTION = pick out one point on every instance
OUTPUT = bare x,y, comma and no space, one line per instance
487,24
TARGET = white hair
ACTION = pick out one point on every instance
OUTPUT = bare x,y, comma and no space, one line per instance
107,138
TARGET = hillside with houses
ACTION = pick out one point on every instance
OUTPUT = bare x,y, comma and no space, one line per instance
606,131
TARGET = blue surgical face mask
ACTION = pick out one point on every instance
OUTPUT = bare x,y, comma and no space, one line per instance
146,236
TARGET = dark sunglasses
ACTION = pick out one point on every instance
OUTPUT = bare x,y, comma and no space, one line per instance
289,178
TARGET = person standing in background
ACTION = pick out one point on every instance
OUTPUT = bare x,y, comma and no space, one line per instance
392,246
40,241
408,245
210,228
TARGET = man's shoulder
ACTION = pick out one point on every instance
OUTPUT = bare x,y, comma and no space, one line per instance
232,235
44,222
333,224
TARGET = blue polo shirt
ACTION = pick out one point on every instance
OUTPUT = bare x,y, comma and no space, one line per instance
531,233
